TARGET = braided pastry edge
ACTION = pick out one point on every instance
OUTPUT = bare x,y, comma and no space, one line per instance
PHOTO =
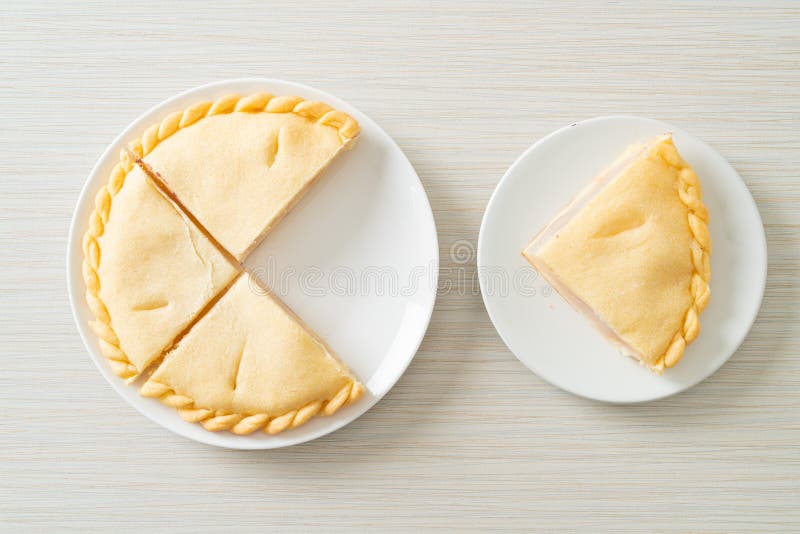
109,342
690,193
216,420
317,112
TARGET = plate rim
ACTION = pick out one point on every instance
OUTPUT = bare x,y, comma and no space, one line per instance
763,266
74,294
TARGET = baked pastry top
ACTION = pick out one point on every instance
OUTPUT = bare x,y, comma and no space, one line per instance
148,270
632,253
242,165
250,363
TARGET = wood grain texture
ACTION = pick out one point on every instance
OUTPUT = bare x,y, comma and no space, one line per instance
468,439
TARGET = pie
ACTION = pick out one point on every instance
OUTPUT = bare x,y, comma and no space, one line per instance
239,165
250,363
148,270
182,208
632,253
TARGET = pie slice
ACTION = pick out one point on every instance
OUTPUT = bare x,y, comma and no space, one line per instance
148,270
240,164
632,253
250,363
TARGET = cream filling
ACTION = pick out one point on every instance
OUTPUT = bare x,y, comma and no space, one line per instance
620,165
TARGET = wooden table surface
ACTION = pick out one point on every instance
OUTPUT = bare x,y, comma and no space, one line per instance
468,438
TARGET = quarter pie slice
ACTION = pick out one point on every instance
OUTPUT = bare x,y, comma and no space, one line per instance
240,164
251,364
632,253
148,270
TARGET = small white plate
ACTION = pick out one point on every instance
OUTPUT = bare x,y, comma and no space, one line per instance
554,340
357,259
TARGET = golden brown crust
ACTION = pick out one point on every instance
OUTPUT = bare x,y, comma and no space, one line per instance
109,342
248,423
691,195
318,112
121,365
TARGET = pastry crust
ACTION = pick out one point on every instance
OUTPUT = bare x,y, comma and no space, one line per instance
183,206
690,193
632,253
142,299
239,164
251,364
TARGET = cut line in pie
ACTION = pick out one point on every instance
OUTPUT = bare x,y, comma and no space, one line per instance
184,205
632,253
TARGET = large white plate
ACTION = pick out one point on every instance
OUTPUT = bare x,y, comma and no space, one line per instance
551,338
357,259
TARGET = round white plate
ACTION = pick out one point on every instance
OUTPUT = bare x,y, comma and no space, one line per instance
554,340
357,259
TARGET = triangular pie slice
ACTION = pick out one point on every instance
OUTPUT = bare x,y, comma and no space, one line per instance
251,364
240,164
632,253
148,270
